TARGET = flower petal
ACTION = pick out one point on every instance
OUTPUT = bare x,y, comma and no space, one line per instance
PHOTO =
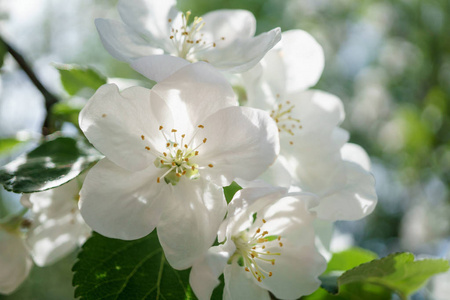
121,204
122,42
195,92
158,67
150,18
351,199
239,285
122,125
230,24
205,273
189,224
241,142
15,261
356,154
242,54
295,272
303,59
55,238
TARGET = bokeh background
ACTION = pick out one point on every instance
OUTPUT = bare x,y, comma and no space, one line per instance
388,60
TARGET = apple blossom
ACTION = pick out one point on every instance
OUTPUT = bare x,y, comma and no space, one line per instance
224,38
57,227
15,262
267,245
169,150
314,155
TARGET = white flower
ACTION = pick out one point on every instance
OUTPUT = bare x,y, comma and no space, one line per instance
268,246
314,155
57,228
224,38
168,152
15,262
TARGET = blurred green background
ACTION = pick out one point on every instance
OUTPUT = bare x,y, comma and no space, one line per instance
388,60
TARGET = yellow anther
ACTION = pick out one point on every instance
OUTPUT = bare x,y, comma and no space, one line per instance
279,237
103,115
142,137
157,180
264,233
171,37
196,153
148,148
258,230
168,144
186,159
162,161
175,145
210,165
184,172
160,127
174,130
264,221
204,140
281,244
183,135
170,20
193,168
270,274
259,279
173,164
178,174
165,154
246,269
185,146
201,126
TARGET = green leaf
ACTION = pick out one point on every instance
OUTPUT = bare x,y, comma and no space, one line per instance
397,272
76,78
8,144
115,269
230,190
51,164
348,259
378,279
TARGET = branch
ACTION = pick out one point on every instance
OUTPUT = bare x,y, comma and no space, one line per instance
50,99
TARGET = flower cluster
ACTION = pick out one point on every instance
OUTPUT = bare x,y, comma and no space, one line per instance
170,150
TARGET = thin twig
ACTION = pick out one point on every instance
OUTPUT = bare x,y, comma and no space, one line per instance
50,99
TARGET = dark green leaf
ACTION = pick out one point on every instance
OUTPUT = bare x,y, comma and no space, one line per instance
76,78
230,190
115,269
51,164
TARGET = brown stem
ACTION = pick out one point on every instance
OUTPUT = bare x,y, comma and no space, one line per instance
50,99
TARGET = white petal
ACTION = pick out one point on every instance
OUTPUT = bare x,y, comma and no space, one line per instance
352,199
158,67
238,285
14,261
122,42
295,272
150,18
193,93
242,54
241,143
121,204
55,238
303,59
231,24
189,224
121,125
205,273
356,154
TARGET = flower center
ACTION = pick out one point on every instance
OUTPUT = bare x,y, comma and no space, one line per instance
178,159
252,250
188,40
282,114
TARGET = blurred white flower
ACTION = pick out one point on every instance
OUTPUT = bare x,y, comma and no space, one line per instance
57,228
268,245
169,150
224,38
15,262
